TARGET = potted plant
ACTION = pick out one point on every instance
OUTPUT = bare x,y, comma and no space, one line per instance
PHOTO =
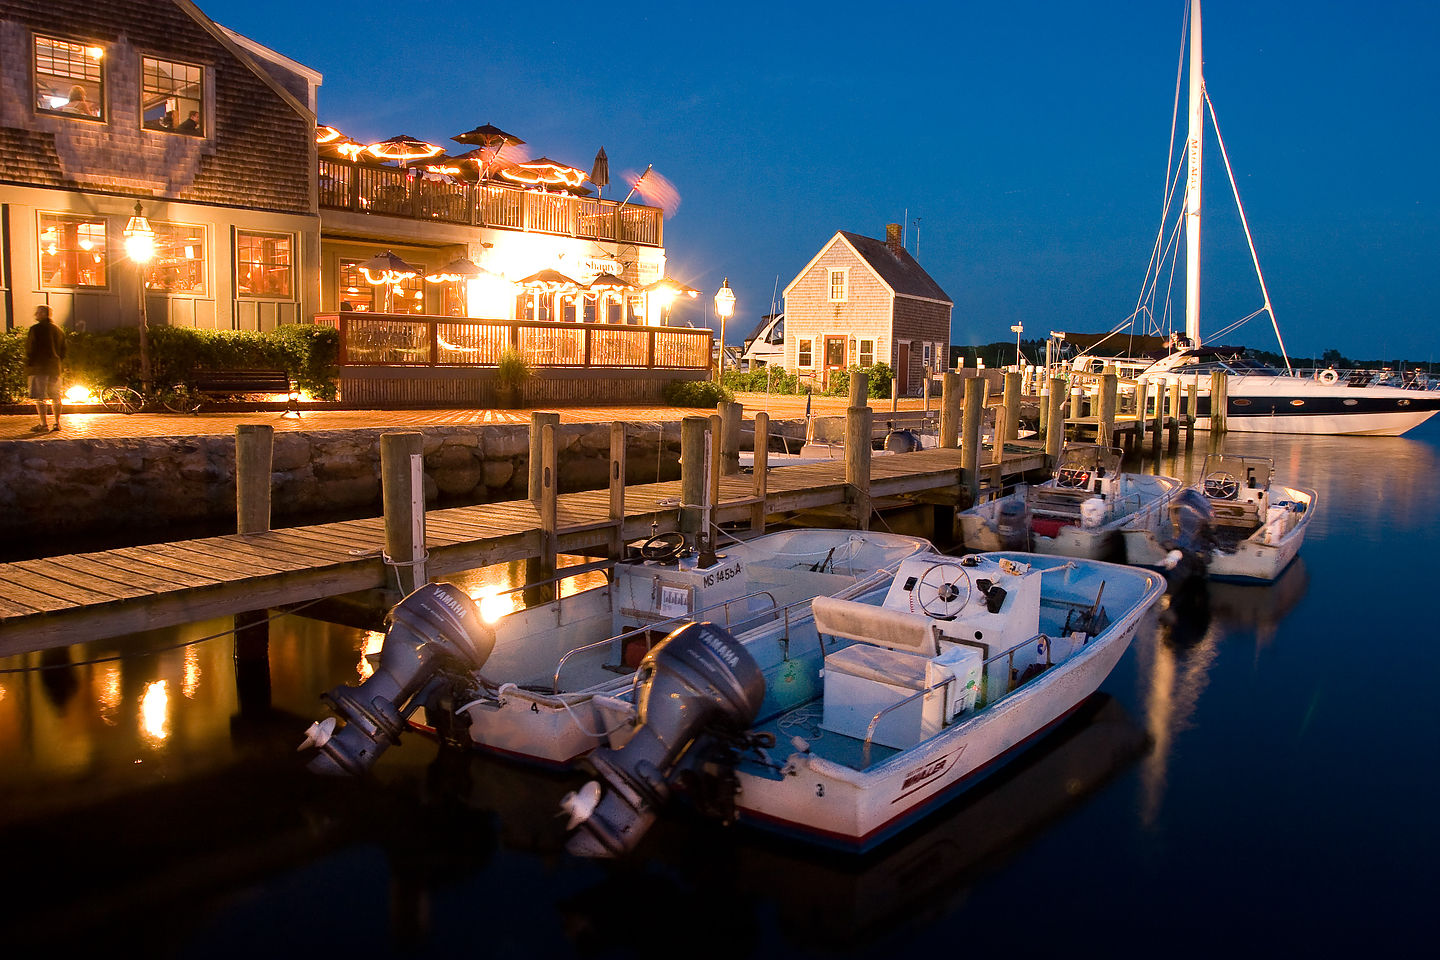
511,372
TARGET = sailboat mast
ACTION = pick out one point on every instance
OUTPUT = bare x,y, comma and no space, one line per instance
1192,189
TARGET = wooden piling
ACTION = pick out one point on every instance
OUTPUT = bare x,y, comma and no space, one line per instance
1055,438
761,472
971,424
402,479
1174,436
254,456
950,407
859,425
617,488
1109,391
539,419
536,570
1192,409
252,660
731,413
1044,419
1158,423
1011,399
1219,397
692,473
1142,399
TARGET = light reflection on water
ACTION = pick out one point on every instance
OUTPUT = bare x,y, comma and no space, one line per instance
1235,746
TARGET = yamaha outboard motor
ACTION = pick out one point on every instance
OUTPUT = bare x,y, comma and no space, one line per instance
1012,524
436,627
697,681
902,441
1193,525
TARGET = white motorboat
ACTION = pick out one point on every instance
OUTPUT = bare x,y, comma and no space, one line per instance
1259,398
1256,525
847,726
1078,512
556,678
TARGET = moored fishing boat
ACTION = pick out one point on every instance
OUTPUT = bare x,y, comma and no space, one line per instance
880,713
1078,512
556,678
1256,526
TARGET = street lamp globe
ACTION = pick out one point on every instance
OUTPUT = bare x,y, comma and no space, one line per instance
724,309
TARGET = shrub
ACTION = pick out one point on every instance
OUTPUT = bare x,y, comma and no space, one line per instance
696,393
309,353
879,386
765,379
512,370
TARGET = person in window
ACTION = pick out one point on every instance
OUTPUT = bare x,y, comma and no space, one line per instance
190,124
80,104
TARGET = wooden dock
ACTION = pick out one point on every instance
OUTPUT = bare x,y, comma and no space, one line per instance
63,600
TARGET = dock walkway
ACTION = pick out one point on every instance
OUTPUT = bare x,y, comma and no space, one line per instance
59,600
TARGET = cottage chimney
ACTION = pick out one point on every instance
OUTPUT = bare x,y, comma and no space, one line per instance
892,238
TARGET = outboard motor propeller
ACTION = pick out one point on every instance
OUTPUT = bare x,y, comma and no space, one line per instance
436,626
1193,523
1012,525
698,680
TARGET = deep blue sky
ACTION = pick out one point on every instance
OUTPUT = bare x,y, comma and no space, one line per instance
1028,138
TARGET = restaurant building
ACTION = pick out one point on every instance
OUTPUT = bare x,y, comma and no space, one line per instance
263,218
103,105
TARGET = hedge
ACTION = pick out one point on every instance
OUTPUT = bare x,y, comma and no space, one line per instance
309,353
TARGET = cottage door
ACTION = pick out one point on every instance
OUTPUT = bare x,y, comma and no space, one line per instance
902,368
834,358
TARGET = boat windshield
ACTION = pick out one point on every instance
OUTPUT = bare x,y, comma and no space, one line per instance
1240,366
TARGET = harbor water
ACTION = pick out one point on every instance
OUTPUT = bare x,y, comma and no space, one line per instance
1260,773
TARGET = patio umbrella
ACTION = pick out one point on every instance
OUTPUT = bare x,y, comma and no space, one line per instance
668,286
608,281
462,269
403,148
600,170
548,281
325,134
487,135
496,147
388,268
544,172
341,146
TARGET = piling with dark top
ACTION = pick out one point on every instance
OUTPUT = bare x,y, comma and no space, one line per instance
859,425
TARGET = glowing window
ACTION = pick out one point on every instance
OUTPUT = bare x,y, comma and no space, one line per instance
179,263
69,78
171,97
354,290
805,356
264,264
867,353
73,251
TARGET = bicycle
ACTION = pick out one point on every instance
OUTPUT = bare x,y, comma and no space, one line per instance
177,398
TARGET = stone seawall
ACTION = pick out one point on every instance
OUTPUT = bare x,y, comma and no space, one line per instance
79,487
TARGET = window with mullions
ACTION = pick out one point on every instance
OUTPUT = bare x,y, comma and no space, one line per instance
73,251
867,353
172,96
804,356
355,290
264,265
69,78
179,262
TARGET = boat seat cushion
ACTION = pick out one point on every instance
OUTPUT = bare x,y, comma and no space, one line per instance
894,667
878,625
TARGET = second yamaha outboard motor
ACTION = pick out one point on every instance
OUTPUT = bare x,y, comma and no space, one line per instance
1193,525
436,627
696,681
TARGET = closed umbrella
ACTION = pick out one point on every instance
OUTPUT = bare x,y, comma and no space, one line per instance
600,171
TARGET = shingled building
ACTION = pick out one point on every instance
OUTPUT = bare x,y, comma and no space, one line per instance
862,301
106,104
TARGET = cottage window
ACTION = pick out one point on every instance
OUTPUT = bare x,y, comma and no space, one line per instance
867,353
69,78
73,251
171,97
926,363
838,280
805,356
264,265
354,288
179,262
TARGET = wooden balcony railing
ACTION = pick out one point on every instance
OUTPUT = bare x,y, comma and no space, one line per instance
387,339
367,188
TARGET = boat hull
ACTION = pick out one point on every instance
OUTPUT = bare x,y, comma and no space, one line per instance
1265,404
828,803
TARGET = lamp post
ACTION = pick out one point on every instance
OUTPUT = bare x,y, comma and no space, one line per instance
140,247
1017,329
724,307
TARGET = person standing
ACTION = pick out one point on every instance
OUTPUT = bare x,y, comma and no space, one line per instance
44,349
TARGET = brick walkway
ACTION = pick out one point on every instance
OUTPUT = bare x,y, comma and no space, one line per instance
118,426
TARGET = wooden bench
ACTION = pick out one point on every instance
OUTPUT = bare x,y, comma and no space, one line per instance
226,383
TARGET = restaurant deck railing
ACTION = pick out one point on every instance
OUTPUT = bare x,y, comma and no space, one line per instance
383,339
367,188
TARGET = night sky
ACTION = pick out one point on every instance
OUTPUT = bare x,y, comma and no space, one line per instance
1024,145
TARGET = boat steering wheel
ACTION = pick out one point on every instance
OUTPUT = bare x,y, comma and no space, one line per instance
664,546
1221,485
1072,478
943,591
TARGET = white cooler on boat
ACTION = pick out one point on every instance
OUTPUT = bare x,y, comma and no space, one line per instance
863,680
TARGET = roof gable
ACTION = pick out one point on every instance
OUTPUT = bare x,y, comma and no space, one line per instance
899,271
